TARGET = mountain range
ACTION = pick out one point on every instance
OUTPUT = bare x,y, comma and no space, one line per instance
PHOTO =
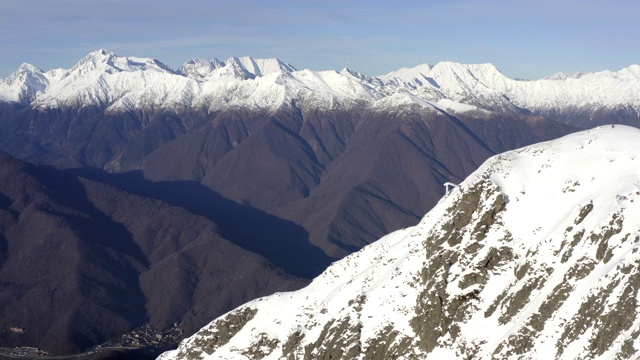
293,168
115,83
533,256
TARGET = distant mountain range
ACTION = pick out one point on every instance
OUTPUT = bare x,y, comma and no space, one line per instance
116,83
293,168
532,256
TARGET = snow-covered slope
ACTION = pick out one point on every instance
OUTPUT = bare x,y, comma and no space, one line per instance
24,84
118,83
534,255
413,77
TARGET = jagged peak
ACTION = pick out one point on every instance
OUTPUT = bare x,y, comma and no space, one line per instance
29,68
198,61
24,84
93,60
101,55
358,75
239,66
24,69
217,62
109,61
24,72
199,68
464,77
261,66
214,63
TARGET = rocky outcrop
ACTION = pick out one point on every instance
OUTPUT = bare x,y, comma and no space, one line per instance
529,257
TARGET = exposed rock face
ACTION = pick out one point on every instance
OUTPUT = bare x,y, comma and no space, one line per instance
533,256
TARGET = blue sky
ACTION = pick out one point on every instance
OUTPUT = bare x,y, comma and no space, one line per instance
524,39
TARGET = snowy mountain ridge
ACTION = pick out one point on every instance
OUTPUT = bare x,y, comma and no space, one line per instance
118,83
245,66
534,255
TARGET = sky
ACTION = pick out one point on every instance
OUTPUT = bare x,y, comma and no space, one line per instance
526,39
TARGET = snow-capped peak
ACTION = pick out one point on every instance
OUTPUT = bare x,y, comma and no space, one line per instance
199,68
632,71
448,72
533,256
100,55
108,80
563,76
93,60
23,72
27,68
244,67
415,77
107,61
260,67
24,84
103,78
353,73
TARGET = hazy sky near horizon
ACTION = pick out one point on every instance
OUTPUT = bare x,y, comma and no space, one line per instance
524,38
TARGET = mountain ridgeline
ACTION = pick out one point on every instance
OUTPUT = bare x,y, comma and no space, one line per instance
240,177
533,256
